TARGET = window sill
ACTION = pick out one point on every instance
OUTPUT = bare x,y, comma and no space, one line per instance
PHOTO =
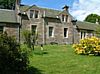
66,37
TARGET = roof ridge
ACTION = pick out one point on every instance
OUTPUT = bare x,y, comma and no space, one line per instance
41,8
49,8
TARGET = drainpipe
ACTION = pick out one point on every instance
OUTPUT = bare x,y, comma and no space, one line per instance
43,30
20,26
44,40
74,26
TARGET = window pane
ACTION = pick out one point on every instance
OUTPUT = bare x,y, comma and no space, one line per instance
84,34
66,18
62,17
33,29
50,31
65,32
31,13
81,35
36,14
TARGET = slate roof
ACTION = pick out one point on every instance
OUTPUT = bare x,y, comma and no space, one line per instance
7,16
86,25
24,7
52,13
48,12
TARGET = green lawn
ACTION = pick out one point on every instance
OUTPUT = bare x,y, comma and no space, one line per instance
61,59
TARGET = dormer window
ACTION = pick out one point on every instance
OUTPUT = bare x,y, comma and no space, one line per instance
34,14
64,18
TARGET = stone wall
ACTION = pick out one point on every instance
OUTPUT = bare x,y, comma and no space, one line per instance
42,25
58,32
12,30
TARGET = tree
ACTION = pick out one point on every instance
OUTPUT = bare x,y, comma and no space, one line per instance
30,38
27,37
93,18
12,60
7,4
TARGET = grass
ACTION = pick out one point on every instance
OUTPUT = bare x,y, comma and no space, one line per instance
61,59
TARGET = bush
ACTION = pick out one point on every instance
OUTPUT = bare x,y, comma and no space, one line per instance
12,60
30,38
88,46
27,37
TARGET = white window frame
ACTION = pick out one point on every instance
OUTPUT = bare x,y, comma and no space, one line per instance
49,31
65,18
83,34
34,13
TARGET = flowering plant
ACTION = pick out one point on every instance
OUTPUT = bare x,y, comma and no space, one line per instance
88,46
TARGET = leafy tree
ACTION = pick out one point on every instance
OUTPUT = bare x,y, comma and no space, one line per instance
27,37
34,38
93,18
30,38
12,60
7,4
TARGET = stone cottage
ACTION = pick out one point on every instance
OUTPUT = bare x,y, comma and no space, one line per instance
52,26
55,26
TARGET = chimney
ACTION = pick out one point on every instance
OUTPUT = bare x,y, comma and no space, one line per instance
65,7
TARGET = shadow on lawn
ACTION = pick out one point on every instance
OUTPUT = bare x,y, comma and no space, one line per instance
32,70
40,52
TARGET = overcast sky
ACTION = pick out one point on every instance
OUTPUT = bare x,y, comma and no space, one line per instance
78,8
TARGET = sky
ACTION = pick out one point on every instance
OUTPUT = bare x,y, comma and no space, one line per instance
79,9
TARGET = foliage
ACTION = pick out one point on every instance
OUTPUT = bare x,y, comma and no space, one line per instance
30,38
27,37
34,38
88,46
7,4
93,18
12,60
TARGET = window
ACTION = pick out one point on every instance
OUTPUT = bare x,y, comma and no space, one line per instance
34,14
1,29
51,32
66,32
33,28
31,13
64,18
83,35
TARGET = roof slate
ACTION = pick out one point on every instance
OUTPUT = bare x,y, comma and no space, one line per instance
52,13
86,25
48,12
7,16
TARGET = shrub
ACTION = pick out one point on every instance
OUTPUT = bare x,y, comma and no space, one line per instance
27,37
12,61
88,46
30,38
